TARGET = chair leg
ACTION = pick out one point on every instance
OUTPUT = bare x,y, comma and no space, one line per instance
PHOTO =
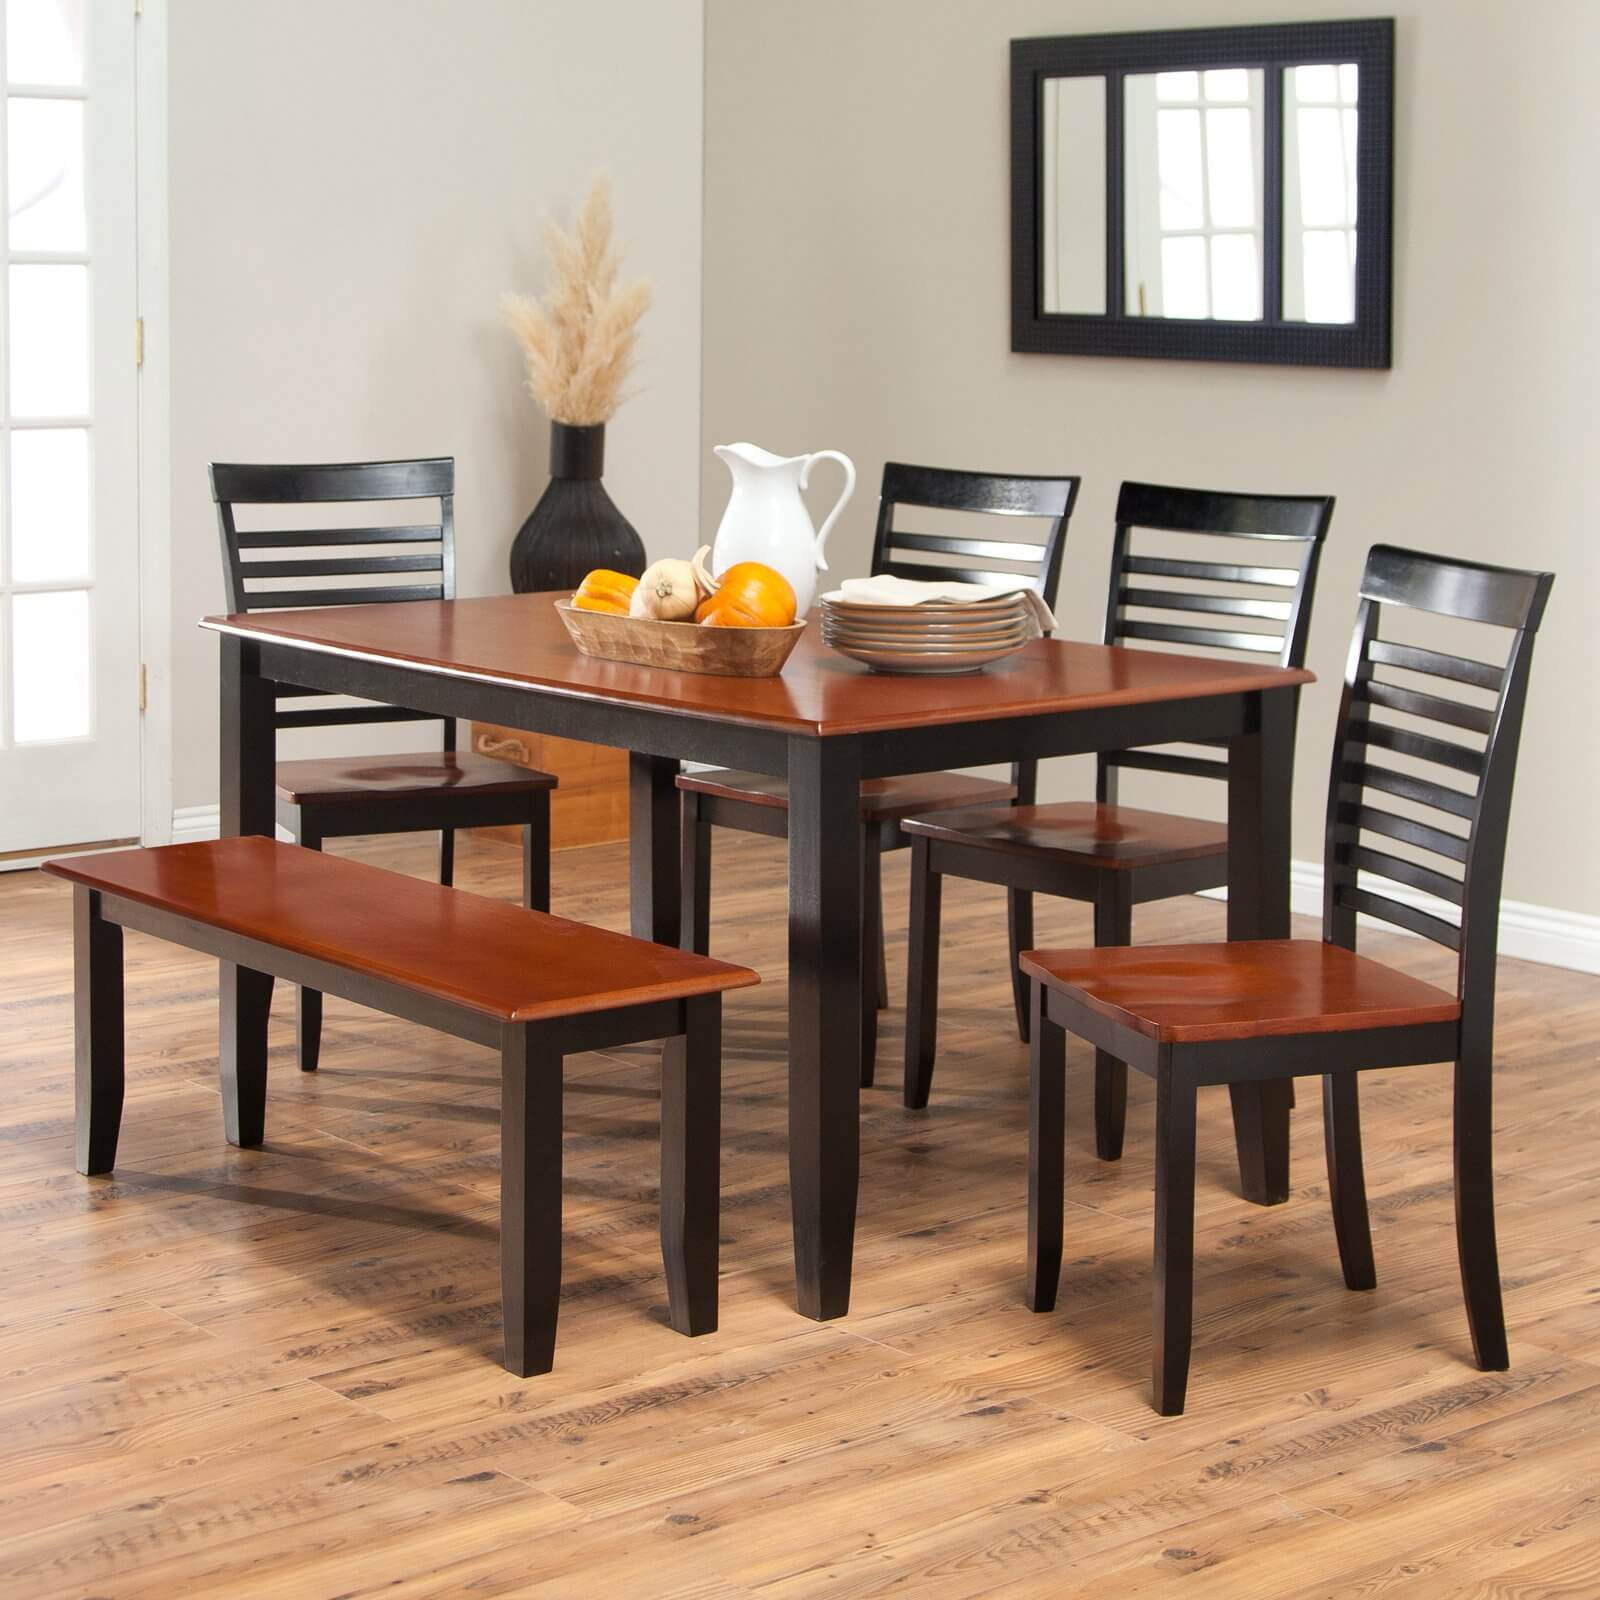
1347,1182
1047,1127
1474,1182
882,976
1113,925
97,1032
246,1003
308,1002
536,854
530,1199
1174,1239
447,856
1019,923
694,874
691,1157
922,978
871,951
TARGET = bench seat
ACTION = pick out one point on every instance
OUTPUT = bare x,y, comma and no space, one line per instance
536,987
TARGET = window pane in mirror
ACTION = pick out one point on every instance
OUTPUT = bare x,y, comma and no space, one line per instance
1073,220
51,655
1321,128
1182,282
1230,168
49,324
1228,83
44,41
1235,277
1178,169
1193,202
49,504
44,174
1316,85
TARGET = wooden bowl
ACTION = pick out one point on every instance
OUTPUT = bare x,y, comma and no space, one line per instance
681,646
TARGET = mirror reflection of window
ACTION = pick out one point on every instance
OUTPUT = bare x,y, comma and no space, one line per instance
1073,223
1193,203
1319,192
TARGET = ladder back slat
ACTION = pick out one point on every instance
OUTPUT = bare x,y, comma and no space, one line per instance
293,599
319,482
1436,708
310,538
341,566
1419,791
1402,916
984,549
1373,819
1211,571
1161,761
1420,746
1210,638
1396,868
1211,604
351,716
1413,658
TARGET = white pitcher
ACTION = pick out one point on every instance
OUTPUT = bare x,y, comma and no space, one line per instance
767,521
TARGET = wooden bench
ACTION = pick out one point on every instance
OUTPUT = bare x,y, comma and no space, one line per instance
535,987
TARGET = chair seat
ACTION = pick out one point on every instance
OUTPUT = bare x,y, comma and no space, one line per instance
335,779
882,799
1115,837
1249,989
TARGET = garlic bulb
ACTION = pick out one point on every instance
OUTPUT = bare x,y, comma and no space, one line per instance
667,592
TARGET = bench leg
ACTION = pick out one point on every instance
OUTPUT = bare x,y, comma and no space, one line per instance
694,877
536,854
691,1154
97,1033
530,1200
308,1002
246,997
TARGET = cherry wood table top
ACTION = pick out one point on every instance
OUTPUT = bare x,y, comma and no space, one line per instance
487,955
518,640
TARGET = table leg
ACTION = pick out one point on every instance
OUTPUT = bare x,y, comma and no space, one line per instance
1260,774
825,1000
249,760
653,847
249,742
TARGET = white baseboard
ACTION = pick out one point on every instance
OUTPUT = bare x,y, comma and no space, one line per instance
1530,933
191,823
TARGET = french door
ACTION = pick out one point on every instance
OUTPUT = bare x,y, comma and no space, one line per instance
69,550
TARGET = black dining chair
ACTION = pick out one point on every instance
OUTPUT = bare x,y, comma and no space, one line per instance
336,797
755,803
1115,856
1412,815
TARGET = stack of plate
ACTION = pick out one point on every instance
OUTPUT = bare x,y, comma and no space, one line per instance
938,637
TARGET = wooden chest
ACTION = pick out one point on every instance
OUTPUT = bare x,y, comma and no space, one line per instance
590,806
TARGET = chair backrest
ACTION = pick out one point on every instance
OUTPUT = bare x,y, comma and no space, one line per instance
1271,584
973,556
1396,698
255,562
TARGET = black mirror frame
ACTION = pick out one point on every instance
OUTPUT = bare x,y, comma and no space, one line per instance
1362,343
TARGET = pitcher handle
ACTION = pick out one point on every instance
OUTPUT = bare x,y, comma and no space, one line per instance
839,504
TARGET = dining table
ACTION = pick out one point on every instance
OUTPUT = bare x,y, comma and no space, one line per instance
824,724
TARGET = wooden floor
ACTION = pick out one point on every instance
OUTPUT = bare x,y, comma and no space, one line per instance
275,1372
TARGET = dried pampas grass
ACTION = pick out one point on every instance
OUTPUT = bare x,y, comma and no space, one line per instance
579,339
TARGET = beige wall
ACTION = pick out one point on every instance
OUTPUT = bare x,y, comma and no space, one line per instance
352,185
856,260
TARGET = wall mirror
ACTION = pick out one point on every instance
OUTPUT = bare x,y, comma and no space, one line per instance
1214,194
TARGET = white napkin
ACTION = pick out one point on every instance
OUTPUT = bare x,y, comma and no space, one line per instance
885,590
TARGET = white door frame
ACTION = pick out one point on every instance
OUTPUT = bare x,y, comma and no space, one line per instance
155,427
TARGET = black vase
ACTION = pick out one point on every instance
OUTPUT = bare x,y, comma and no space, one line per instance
575,527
